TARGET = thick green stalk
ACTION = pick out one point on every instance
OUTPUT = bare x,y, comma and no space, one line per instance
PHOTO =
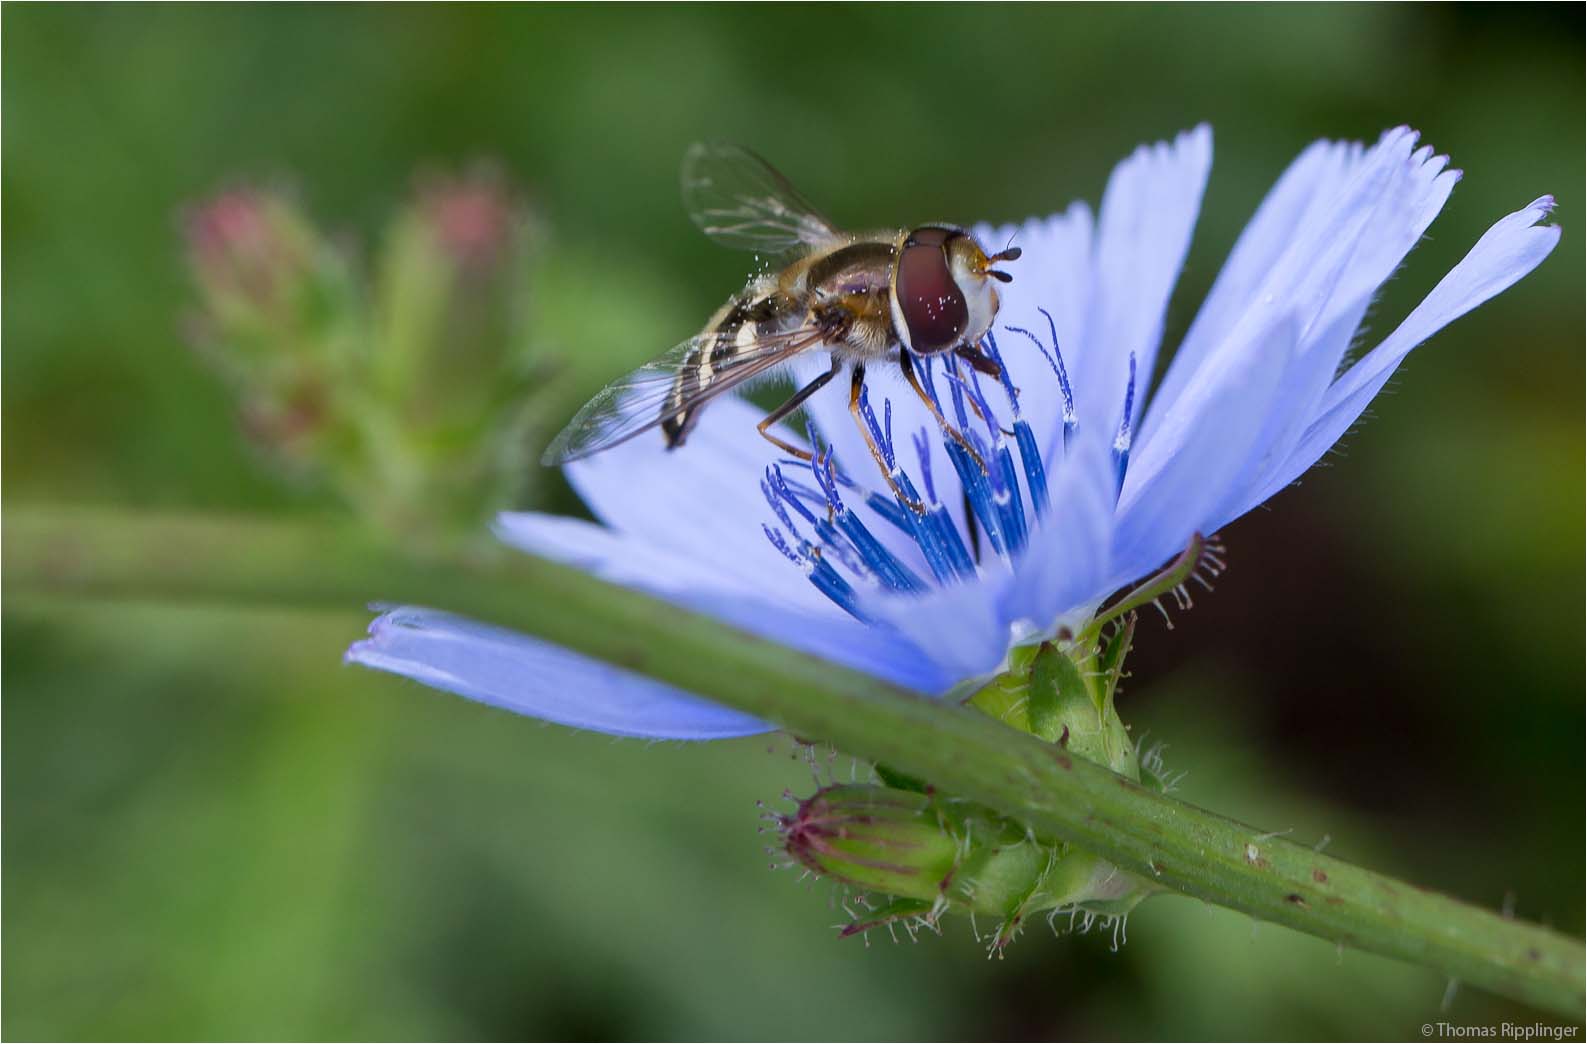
1181,847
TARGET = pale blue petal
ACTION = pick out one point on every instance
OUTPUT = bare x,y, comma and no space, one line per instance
1304,197
699,500
819,628
1053,277
1069,561
1177,480
1506,252
1305,380
1417,190
1333,262
957,626
639,563
530,677
1148,212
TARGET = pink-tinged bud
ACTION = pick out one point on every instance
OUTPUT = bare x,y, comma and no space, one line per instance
928,854
402,379
472,217
248,244
873,837
450,310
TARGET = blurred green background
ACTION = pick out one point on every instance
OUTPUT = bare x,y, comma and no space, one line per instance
213,829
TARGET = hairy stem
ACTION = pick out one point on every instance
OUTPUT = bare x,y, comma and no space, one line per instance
120,555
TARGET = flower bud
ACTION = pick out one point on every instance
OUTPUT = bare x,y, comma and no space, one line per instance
276,320
451,290
249,249
407,390
930,854
473,218
450,372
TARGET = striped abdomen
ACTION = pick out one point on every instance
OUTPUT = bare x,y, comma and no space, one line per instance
746,319
840,294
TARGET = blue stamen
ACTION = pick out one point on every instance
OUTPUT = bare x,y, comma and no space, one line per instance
928,537
1005,491
882,437
1003,374
775,502
1121,441
978,491
922,443
818,571
956,391
780,497
948,537
846,551
781,544
1055,359
821,468
890,510
832,541
1058,367
929,380
792,491
888,569
1012,505
828,581
979,398
1035,474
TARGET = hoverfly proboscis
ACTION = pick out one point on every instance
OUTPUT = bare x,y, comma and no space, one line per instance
863,298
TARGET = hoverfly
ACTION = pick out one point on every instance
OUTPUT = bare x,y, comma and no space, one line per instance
865,299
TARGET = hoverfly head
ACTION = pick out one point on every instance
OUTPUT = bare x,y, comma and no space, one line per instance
943,293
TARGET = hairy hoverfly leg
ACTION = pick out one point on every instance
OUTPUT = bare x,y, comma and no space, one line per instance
979,361
954,433
857,385
796,400
982,363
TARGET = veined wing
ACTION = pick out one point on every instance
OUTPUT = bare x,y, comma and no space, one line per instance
740,201
672,386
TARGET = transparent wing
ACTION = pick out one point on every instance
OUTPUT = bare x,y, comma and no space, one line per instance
672,385
740,201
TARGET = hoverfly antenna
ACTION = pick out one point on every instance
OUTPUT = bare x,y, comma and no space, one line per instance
1008,253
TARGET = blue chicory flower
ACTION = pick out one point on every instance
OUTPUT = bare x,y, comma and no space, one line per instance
1094,489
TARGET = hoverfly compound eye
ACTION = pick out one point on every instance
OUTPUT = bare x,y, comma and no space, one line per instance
930,303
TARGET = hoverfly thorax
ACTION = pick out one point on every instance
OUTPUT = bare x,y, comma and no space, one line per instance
942,293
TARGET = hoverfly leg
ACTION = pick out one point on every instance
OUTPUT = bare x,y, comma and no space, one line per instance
857,385
982,363
954,433
795,401
979,361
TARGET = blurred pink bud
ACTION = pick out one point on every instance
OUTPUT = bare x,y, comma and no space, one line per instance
472,216
246,241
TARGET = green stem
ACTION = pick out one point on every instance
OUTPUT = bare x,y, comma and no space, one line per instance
119,555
